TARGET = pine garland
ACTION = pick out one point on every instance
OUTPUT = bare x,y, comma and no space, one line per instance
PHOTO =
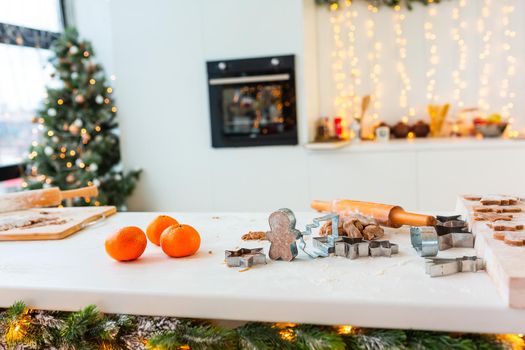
24,328
334,4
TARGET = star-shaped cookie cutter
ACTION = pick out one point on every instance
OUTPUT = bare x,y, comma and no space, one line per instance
453,233
353,248
436,267
244,257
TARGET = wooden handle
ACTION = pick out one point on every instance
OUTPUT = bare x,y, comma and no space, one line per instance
399,217
321,205
89,191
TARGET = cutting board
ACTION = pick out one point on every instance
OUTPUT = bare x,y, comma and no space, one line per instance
49,223
504,263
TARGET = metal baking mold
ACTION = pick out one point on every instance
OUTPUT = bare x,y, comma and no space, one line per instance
244,257
453,233
353,248
323,246
424,239
436,267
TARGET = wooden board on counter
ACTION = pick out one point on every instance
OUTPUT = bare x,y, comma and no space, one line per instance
49,223
505,263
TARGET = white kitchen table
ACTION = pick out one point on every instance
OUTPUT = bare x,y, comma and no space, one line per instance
369,292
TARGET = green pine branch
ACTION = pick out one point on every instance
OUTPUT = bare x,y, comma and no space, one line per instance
22,328
260,336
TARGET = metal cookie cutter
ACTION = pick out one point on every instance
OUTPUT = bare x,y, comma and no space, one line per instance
352,248
453,233
383,248
244,257
324,246
424,240
436,267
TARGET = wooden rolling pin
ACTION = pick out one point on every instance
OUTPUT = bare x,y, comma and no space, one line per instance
47,197
386,215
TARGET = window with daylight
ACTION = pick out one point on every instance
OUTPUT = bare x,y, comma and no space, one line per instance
27,29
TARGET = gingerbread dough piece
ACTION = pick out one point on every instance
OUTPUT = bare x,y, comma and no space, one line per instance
499,235
515,239
508,210
254,236
472,197
492,217
282,235
505,226
372,232
351,229
486,209
499,200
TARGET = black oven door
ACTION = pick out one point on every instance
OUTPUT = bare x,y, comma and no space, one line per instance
253,110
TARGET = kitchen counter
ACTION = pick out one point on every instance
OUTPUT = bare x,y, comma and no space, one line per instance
369,292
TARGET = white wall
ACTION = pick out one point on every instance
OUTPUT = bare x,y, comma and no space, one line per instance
418,55
158,50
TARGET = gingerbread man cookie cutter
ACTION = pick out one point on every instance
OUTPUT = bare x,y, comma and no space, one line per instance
283,235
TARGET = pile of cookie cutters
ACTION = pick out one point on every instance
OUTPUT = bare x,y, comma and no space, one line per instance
449,232
351,248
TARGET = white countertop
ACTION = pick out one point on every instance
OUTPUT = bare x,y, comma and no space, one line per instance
417,144
368,292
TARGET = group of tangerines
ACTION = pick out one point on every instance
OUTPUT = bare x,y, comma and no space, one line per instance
176,240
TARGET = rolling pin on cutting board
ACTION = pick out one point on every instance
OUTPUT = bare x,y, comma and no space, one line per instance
385,214
47,197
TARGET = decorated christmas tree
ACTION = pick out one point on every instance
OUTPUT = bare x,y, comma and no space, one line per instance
79,145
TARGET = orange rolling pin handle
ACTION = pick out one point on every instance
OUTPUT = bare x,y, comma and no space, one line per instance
89,191
399,217
321,205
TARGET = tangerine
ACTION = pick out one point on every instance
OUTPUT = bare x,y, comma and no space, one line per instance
157,226
126,244
178,241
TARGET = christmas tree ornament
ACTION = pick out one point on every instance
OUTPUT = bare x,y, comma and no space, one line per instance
48,151
93,167
73,50
244,257
70,178
99,99
78,123
74,75
282,235
52,112
80,99
73,129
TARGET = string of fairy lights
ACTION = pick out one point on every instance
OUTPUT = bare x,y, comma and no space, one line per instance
486,35
509,35
431,36
458,74
375,62
401,43
354,61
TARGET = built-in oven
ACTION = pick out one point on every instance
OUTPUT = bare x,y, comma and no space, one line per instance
252,102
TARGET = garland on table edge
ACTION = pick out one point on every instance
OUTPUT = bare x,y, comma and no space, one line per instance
334,4
24,328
